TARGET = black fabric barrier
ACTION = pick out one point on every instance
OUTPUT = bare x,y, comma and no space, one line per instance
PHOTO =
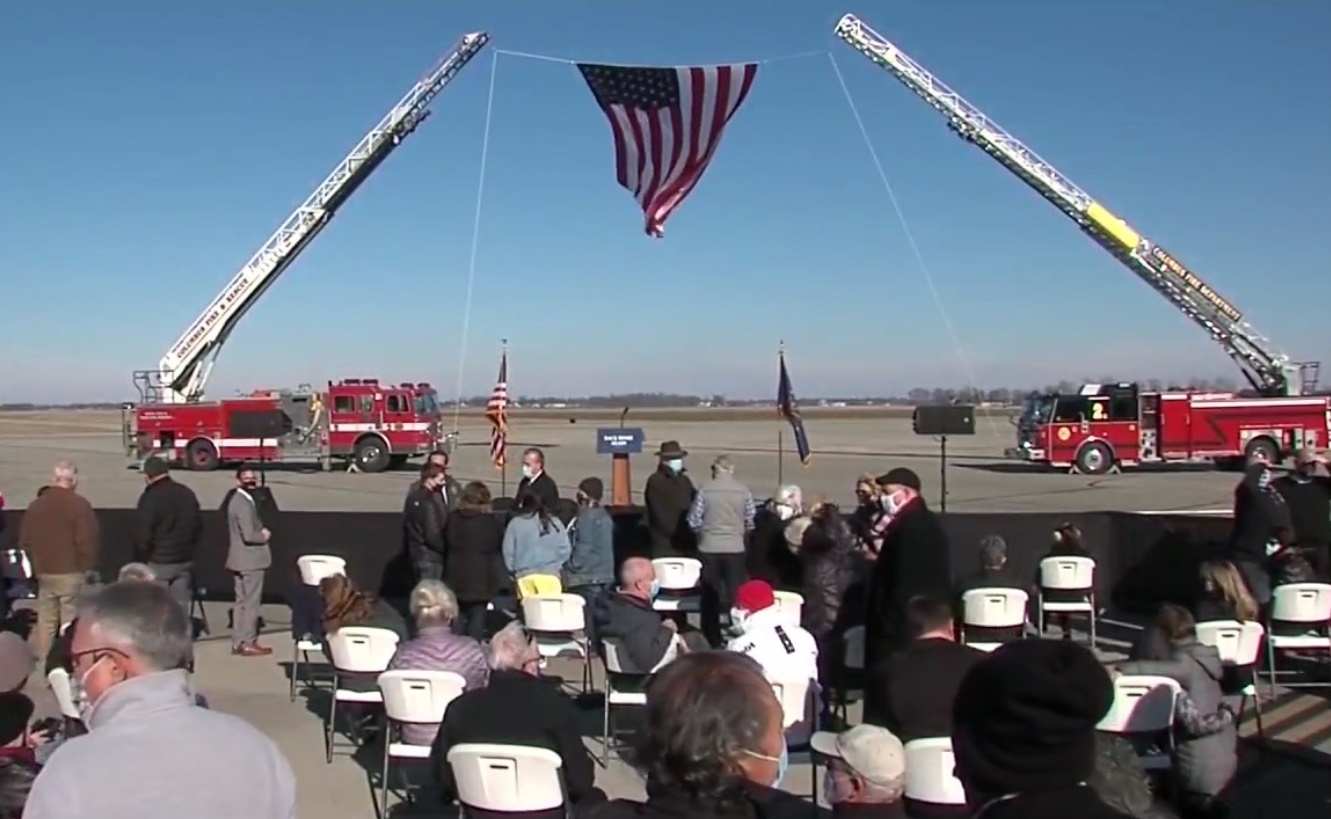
1142,560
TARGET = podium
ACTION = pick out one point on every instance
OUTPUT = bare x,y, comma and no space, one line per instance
620,443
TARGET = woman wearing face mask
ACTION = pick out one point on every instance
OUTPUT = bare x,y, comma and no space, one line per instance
768,556
868,521
711,745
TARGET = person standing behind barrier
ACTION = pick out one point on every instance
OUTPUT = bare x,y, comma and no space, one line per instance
536,547
1308,496
170,529
591,563
722,514
423,520
668,496
1259,512
248,558
473,538
449,489
59,534
536,482
914,560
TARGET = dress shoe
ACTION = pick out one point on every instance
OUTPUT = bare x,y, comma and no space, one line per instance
252,650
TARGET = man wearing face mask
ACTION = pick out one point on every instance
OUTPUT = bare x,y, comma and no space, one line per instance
785,651
668,495
1307,493
248,558
130,645
711,745
866,772
914,561
625,616
536,481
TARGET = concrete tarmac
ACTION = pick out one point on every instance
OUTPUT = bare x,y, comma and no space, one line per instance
978,479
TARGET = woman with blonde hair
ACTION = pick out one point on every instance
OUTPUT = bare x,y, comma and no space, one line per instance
868,522
1224,594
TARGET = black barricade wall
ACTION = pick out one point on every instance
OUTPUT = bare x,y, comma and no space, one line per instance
1142,560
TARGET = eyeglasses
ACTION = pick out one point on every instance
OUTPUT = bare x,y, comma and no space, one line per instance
95,653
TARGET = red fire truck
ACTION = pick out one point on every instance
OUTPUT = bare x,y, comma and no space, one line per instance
369,424
1103,426
1108,425
374,425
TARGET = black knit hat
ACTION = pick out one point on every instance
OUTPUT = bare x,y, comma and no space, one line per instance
592,488
1024,718
900,475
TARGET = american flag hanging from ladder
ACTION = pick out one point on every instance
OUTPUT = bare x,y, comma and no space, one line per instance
497,411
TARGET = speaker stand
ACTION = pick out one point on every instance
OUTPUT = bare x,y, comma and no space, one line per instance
942,474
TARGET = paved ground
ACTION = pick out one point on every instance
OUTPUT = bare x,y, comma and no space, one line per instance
978,478
256,689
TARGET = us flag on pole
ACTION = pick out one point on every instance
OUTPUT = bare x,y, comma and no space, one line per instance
497,411
667,124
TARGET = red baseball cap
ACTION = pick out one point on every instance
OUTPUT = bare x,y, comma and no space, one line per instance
754,595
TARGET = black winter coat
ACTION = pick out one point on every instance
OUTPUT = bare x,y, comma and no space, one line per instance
829,559
915,560
423,525
636,628
755,802
1259,510
768,556
668,497
473,539
170,523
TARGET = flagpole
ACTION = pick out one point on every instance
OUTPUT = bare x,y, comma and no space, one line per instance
780,428
503,465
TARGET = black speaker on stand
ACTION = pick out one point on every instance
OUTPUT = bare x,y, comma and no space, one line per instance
942,421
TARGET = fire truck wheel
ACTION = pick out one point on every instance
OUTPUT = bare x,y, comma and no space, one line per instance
201,456
371,454
1095,458
1265,446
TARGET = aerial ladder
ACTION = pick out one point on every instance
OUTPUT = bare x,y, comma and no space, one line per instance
1269,371
183,372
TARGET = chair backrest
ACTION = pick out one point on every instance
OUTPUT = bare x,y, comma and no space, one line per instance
1068,573
554,612
1142,704
854,647
419,696
610,650
929,772
794,698
1301,603
789,604
678,573
1239,644
506,778
994,608
361,650
314,568
64,693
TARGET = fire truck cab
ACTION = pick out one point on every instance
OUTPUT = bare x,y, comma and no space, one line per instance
1104,426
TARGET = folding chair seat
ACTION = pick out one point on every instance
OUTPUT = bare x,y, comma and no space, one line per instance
356,653
507,778
1072,577
680,579
559,624
992,608
412,697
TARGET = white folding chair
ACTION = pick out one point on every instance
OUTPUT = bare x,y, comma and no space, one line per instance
415,698
622,689
558,622
929,772
1240,647
790,605
357,651
680,579
1067,574
507,778
1145,705
852,669
58,679
312,568
799,713
1307,605
992,608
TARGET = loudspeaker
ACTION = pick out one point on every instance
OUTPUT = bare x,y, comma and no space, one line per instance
944,419
267,423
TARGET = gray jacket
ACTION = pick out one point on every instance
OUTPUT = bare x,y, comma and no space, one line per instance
1205,764
246,551
197,763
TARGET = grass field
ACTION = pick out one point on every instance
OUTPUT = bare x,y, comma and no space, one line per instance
57,422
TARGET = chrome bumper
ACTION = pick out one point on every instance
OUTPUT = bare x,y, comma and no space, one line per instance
1021,453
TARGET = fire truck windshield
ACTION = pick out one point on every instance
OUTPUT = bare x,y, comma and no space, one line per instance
1036,409
427,403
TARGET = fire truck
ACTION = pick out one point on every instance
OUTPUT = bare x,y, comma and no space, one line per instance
1102,427
371,424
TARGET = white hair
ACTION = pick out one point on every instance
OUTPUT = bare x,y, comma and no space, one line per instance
722,466
65,473
433,602
790,495
137,571
512,648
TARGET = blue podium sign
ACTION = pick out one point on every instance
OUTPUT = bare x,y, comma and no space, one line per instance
619,441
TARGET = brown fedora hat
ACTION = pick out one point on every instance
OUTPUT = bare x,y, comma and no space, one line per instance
671,449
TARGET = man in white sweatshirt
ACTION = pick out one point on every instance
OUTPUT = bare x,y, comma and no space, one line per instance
787,652
130,647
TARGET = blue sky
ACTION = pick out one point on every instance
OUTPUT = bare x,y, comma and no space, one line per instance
153,146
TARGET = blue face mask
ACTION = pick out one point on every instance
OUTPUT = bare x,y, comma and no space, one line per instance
655,590
782,764
675,465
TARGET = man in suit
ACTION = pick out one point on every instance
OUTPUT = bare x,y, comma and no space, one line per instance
450,489
248,558
536,481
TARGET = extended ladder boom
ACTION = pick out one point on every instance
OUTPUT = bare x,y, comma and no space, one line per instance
183,371
1269,371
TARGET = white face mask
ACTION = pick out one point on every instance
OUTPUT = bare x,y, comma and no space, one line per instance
78,689
785,511
890,504
737,618
528,472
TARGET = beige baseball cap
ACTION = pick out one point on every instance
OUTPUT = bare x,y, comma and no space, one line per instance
873,752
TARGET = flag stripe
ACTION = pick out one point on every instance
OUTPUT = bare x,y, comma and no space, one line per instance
496,410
